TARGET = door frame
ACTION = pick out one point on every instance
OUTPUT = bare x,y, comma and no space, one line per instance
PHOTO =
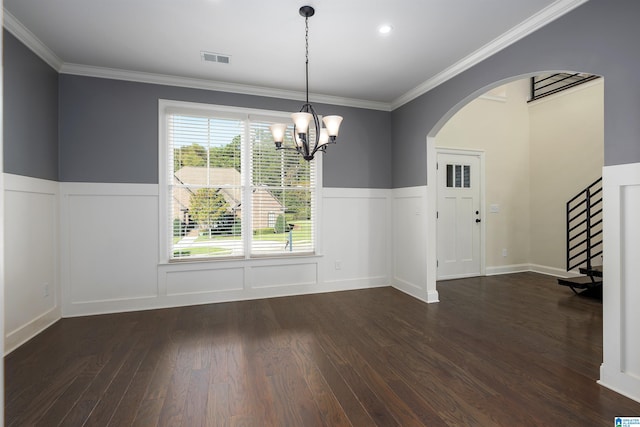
480,155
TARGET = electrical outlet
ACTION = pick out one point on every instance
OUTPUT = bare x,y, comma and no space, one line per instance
45,289
338,265
504,252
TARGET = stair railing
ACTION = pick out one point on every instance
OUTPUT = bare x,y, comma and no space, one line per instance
584,226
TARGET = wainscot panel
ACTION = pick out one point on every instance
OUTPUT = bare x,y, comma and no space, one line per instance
204,281
32,291
109,246
630,292
275,276
356,230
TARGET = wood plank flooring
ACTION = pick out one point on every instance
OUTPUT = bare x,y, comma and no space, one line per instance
513,350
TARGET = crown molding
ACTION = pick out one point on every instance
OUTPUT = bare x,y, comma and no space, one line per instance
27,38
534,23
162,79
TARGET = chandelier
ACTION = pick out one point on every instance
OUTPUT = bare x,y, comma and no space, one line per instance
308,134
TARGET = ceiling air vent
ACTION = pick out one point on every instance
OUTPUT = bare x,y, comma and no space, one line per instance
215,57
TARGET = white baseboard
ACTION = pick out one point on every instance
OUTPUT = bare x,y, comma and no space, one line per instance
507,269
621,382
428,296
432,296
409,289
183,300
553,271
20,336
535,268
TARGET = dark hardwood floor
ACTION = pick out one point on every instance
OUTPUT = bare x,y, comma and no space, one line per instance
513,350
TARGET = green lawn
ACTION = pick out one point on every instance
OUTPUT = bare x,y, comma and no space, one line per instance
301,233
202,250
205,238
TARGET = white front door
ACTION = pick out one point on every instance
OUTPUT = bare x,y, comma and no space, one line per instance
459,215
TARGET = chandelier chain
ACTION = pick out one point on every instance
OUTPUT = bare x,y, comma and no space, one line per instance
306,49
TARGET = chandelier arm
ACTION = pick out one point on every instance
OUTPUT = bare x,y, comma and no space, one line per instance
316,122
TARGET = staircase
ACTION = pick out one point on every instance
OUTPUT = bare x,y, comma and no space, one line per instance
548,84
584,240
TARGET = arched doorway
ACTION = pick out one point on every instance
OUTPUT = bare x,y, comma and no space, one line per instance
431,195
538,154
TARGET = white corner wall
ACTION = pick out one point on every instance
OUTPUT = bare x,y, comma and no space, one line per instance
2,215
414,236
620,369
414,243
109,253
32,289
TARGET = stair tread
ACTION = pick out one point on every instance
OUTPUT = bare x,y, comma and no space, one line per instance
582,282
595,271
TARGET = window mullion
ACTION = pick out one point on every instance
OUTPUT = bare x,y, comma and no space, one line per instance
247,187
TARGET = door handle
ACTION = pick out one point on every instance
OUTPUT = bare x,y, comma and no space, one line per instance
478,220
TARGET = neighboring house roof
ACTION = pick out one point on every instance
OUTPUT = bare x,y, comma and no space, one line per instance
200,176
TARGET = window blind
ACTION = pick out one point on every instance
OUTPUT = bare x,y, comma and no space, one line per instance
282,188
205,186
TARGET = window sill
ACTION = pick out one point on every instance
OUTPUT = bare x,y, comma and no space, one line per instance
266,259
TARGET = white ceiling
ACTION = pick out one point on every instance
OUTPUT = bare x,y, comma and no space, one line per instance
431,41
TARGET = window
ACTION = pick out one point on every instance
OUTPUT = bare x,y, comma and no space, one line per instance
227,192
458,176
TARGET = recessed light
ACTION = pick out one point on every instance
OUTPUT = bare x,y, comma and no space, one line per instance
385,29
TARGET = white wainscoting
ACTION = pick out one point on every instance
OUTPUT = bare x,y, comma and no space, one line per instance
32,289
356,238
109,246
620,369
110,258
192,283
413,242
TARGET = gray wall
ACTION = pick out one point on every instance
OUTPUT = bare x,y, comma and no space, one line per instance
108,128
599,37
109,132
30,105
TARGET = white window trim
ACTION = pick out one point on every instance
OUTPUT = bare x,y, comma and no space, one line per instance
165,107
